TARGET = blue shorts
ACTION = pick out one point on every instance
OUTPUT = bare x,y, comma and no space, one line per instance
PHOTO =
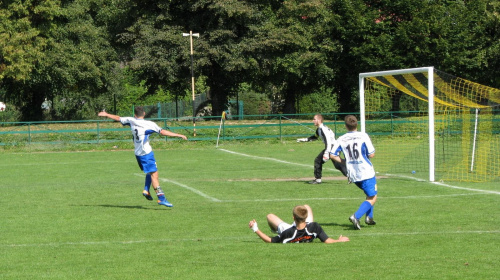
369,186
147,163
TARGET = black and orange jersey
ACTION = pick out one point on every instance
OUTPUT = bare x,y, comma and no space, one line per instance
308,234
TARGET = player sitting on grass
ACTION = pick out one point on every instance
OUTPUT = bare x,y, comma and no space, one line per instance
303,230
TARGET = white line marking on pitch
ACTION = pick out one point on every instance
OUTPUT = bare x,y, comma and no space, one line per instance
187,188
462,188
202,194
225,238
407,177
350,198
431,233
444,185
266,158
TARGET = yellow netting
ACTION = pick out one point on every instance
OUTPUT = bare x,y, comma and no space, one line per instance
467,142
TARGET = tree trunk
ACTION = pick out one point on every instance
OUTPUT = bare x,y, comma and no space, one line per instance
31,110
290,101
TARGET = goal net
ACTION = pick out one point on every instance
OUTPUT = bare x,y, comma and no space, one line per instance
429,124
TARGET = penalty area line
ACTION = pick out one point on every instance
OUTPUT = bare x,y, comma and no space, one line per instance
443,184
347,198
462,188
391,175
187,188
431,233
266,158
226,238
274,159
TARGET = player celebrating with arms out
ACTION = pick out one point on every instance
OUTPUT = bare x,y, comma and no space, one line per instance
358,149
141,130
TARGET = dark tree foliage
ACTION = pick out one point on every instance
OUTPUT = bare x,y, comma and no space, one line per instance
53,50
81,54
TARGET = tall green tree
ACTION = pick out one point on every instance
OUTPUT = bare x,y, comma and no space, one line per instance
161,55
292,49
69,60
459,37
22,49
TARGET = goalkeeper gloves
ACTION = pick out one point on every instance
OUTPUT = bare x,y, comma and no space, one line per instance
326,157
302,140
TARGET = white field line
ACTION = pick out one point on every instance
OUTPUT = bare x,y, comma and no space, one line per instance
186,187
431,233
270,159
349,198
202,194
462,188
63,163
443,184
225,238
392,175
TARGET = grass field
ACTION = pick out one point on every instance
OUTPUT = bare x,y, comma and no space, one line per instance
81,215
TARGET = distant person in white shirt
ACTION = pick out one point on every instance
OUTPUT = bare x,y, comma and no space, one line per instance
141,130
358,150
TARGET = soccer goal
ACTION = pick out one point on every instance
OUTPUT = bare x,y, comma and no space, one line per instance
429,124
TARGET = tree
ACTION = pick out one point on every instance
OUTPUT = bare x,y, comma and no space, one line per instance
459,37
292,49
161,56
22,49
69,62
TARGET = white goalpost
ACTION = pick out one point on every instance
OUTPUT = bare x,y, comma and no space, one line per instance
431,124
430,87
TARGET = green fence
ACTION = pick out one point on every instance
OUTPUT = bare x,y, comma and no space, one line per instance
98,131
278,126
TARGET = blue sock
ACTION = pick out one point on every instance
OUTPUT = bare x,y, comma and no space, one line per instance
161,196
363,209
370,212
147,184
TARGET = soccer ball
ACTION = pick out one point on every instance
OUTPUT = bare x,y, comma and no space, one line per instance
2,106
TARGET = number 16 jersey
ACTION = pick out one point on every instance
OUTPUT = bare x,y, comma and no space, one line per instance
356,147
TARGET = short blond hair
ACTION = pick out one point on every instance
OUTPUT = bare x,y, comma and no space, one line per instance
320,117
300,213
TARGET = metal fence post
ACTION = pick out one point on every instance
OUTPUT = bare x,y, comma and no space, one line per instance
281,138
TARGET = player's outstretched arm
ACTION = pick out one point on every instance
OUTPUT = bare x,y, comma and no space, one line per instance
253,225
341,239
172,134
107,115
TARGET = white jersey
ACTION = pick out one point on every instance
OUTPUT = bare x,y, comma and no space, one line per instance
141,129
356,147
326,135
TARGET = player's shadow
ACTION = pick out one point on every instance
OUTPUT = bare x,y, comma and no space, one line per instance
330,224
345,226
126,207
310,184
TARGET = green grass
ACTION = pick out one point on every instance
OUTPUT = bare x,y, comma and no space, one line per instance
81,215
